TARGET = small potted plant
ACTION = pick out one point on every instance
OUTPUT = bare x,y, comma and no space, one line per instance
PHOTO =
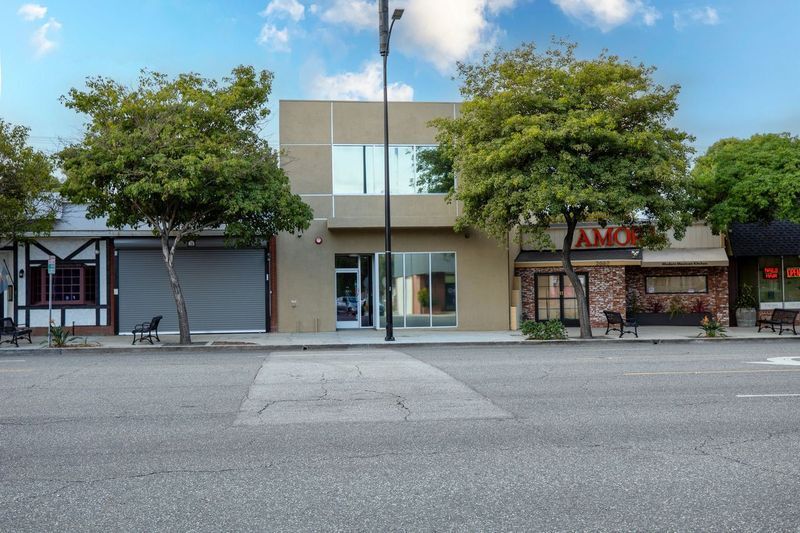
746,312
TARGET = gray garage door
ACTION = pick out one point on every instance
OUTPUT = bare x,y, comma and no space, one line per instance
225,289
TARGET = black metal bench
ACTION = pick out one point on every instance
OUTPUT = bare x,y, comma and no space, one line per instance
148,329
615,319
780,318
9,329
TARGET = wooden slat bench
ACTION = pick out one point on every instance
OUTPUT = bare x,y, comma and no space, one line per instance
780,318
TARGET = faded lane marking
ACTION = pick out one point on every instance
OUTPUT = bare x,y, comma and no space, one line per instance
698,372
7,370
767,395
785,361
12,360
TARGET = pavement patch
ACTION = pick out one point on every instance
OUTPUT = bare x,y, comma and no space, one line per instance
364,386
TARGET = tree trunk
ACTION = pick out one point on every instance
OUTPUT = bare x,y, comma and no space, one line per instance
177,293
580,293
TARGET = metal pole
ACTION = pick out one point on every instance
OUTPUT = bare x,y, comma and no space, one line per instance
387,207
50,311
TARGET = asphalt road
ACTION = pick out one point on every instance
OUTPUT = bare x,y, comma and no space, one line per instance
604,437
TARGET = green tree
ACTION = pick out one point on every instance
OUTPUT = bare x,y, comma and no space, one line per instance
544,138
749,180
181,156
27,201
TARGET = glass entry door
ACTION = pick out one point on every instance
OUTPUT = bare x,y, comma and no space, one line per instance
348,298
555,298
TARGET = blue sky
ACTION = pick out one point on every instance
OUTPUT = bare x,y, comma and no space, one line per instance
736,60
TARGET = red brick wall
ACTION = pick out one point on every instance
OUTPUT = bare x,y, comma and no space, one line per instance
606,290
716,300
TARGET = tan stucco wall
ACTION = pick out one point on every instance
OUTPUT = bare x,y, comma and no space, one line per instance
306,274
308,131
308,168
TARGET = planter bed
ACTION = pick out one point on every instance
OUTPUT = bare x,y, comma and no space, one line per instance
664,319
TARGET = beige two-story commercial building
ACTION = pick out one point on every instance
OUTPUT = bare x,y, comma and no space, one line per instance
331,277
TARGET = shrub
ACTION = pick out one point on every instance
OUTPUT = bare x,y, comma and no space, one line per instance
656,306
699,306
634,305
59,336
543,331
711,328
746,299
675,307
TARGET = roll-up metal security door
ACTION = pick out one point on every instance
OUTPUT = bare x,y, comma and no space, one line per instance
225,290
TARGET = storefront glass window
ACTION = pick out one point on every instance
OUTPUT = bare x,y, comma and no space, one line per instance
443,289
346,261
770,295
675,284
417,290
424,289
791,287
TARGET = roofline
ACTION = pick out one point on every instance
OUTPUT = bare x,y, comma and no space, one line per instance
449,102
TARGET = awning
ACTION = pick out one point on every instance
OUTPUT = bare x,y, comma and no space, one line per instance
598,257
685,257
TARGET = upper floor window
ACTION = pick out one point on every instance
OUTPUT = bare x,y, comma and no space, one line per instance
359,169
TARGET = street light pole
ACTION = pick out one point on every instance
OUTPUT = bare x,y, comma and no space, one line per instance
385,34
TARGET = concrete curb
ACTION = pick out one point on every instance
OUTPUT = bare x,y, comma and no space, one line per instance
174,348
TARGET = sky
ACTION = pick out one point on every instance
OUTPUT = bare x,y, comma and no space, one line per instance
735,60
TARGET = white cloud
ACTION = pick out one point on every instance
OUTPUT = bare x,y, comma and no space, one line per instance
41,38
608,14
704,15
446,31
32,11
364,85
439,31
275,38
359,14
291,8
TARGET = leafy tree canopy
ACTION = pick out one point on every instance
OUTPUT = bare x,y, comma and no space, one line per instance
749,180
181,156
547,137
27,201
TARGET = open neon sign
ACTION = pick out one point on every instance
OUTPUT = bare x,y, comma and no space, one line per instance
793,272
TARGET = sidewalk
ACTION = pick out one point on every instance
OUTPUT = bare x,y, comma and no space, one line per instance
373,338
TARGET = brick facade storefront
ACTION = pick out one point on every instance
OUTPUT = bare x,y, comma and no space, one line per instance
609,287
606,290
716,300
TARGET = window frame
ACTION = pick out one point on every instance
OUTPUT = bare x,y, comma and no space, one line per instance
38,277
380,256
704,276
364,172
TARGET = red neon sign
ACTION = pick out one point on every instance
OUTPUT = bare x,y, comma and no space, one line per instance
772,272
606,237
793,272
